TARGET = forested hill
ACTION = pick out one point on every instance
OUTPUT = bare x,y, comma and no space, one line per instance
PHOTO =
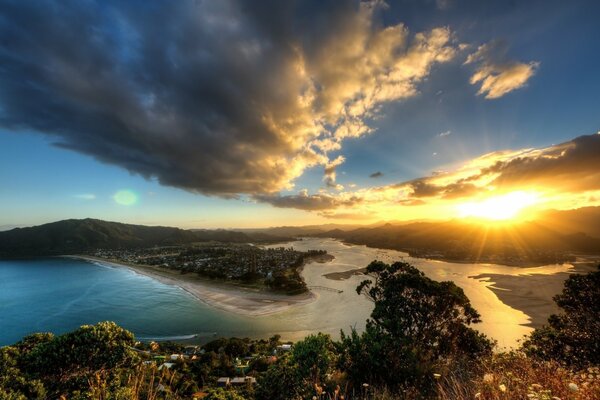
472,241
79,235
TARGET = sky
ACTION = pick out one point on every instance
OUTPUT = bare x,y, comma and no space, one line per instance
204,114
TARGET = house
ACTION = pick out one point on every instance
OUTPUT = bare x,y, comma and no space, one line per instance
223,381
243,380
191,350
166,365
283,348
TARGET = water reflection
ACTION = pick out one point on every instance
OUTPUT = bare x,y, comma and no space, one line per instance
500,321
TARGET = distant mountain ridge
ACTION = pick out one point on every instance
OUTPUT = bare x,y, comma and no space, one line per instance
552,234
551,237
79,235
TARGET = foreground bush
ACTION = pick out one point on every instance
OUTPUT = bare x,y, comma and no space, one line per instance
573,336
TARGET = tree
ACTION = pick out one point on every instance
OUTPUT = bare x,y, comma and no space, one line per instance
314,357
572,336
222,394
71,359
282,381
416,328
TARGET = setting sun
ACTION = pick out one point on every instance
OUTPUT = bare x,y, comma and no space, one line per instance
498,208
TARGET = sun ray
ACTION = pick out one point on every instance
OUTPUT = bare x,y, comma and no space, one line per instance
498,208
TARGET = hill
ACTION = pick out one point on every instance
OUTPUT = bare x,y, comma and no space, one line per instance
80,235
555,237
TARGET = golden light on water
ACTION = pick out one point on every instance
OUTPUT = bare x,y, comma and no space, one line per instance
499,208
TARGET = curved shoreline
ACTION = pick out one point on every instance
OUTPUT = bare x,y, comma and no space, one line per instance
241,301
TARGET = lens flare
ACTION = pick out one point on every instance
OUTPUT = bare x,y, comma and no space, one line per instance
125,197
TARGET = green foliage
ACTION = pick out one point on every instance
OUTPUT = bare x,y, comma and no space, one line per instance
572,336
282,381
87,349
43,363
314,357
223,394
416,328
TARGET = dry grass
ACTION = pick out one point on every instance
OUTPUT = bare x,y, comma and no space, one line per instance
507,376
514,376
143,383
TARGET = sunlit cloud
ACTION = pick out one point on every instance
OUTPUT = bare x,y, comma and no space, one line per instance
331,174
495,74
495,185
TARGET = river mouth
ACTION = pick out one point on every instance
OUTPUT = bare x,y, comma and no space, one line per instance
511,300
59,294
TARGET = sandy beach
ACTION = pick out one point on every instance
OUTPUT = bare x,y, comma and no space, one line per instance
227,297
531,293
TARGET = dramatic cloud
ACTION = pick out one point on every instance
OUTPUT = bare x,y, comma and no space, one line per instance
495,74
218,97
573,166
566,173
377,174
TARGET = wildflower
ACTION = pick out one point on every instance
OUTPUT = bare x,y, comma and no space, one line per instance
488,378
573,387
318,389
502,387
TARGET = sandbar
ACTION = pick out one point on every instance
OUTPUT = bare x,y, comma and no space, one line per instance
531,293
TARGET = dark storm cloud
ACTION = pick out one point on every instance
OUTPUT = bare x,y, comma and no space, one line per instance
218,97
571,166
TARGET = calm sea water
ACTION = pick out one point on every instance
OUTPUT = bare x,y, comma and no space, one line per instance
60,294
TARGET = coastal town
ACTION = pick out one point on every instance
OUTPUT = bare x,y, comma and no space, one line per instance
232,363
275,268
